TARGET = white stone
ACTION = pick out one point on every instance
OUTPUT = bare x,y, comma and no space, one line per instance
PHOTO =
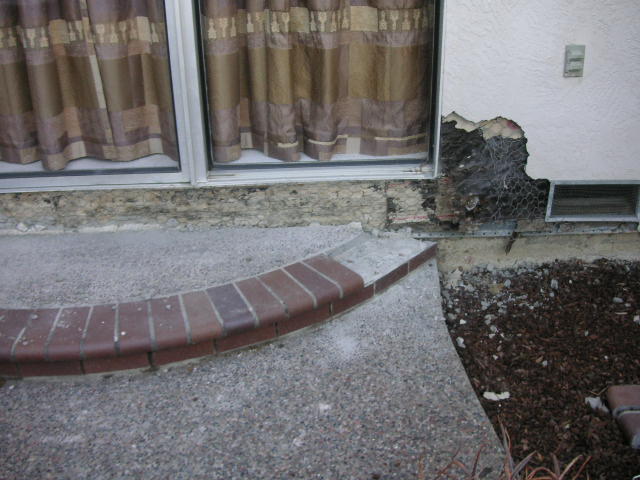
596,404
453,279
496,397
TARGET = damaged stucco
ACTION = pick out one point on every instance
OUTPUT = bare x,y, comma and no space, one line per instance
506,57
481,163
483,173
496,127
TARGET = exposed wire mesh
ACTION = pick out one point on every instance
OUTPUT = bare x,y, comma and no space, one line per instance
490,181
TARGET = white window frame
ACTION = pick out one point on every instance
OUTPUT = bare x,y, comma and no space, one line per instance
190,117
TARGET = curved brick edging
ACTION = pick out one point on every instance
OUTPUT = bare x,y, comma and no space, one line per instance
155,332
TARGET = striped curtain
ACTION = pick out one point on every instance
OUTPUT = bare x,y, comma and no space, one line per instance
84,78
318,76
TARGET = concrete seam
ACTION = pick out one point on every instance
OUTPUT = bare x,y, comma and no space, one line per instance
220,319
116,329
353,243
152,327
313,297
187,325
12,355
256,321
84,336
325,277
50,336
282,302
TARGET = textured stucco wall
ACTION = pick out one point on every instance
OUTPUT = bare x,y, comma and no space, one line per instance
506,57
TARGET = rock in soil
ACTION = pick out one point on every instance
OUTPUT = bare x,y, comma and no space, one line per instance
551,339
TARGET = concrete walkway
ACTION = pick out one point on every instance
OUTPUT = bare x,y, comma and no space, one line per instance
372,394
88,268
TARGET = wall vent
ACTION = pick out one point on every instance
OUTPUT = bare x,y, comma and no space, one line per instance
593,202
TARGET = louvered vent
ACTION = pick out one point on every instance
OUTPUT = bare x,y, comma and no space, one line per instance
594,203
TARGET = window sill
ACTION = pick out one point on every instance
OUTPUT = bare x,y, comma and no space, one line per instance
244,177
257,176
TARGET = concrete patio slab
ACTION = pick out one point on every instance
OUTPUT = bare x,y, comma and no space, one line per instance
372,394
101,268
154,332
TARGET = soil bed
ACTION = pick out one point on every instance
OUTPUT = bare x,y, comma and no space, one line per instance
552,335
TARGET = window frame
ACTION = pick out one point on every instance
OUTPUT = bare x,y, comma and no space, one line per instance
189,107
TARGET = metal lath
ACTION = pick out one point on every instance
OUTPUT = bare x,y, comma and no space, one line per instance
593,202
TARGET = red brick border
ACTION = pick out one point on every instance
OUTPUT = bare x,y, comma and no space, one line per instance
131,335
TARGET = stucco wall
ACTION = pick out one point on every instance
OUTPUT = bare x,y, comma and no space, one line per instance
506,57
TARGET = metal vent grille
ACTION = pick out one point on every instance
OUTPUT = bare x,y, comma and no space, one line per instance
593,202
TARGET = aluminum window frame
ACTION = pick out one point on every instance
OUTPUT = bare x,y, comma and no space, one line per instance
384,169
120,176
185,66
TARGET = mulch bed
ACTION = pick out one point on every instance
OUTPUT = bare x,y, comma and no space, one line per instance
552,335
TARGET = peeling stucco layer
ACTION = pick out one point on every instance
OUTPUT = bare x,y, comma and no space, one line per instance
484,177
496,127
475,158
506,57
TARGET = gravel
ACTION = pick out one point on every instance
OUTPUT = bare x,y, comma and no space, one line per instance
552,336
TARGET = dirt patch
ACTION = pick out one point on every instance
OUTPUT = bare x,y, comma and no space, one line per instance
551,336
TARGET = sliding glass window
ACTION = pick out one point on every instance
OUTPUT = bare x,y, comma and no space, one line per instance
85,87
310,81
137,92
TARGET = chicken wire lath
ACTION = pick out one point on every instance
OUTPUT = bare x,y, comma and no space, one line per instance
498,186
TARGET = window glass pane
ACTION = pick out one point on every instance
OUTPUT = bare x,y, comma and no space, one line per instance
306,81
85,85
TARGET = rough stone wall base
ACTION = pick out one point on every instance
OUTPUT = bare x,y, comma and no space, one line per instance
376,205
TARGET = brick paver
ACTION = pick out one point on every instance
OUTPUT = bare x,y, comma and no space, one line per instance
140,334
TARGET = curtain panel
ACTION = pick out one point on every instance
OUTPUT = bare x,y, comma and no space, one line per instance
84,78
318,76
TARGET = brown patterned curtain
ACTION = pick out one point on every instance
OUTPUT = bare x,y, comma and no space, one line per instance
84,78
318,76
